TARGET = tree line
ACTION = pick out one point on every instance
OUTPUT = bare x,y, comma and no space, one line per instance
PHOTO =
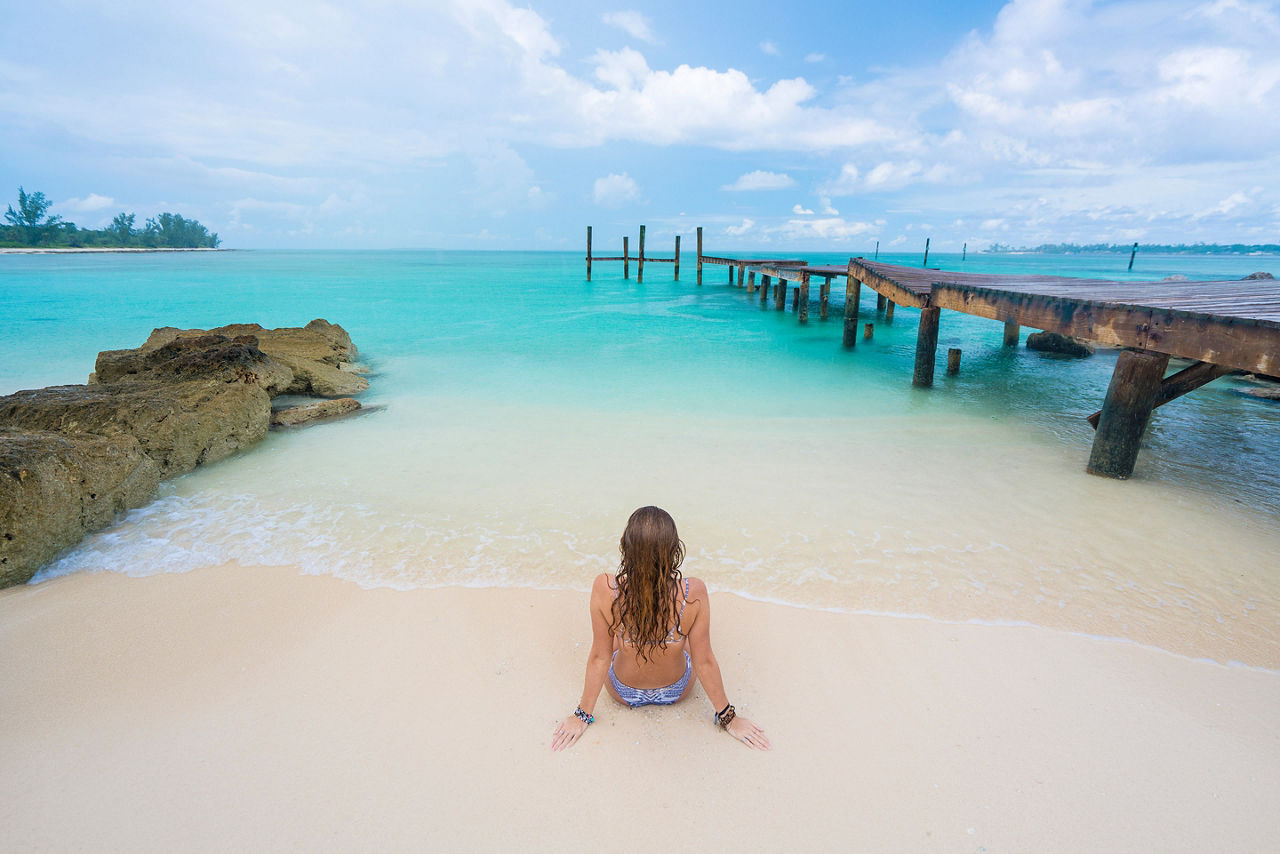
1155,248
31,225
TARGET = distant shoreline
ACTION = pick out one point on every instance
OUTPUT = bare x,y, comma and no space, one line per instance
72,250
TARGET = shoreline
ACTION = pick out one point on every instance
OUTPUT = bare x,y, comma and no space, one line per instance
322,714
81,250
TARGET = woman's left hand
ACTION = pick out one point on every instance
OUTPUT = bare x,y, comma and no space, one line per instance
567,732
748,733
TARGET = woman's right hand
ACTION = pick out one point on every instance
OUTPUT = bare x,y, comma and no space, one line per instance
569,731
748,733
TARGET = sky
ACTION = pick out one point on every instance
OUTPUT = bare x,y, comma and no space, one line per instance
486,124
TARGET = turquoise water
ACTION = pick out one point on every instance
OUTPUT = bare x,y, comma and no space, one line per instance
527,411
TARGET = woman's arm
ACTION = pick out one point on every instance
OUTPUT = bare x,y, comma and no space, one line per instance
708,669
571,728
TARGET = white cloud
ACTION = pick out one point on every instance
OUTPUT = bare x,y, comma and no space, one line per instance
739,230
824,202
90,203
828,228
631,22
844,184
815,57
760,180
801,211
770,48
614,190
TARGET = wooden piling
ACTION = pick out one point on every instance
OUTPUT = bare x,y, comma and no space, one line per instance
926,252
1132,255
764,289
588,253
802,298
877,255
852,295
889,306
926,346
824,296
751,282
677,257
626,257
742,275
1011,332
880,301
640,258
1183,382
964,252
953,361
699,256
1131,396
868,331
780,296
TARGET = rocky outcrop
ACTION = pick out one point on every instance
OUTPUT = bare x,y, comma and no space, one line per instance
292,416
1052,342
72,457
1259,275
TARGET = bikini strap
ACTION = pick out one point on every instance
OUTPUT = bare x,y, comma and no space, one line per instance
685,601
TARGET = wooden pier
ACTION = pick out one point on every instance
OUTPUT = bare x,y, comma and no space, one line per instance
1219,326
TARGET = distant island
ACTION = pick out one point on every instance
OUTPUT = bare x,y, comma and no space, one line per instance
1152,248
30,226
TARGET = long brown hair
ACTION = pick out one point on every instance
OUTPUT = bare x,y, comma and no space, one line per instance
648,577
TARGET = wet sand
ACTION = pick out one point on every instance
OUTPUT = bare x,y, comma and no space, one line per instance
235,708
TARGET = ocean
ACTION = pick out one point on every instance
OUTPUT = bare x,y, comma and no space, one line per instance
521,413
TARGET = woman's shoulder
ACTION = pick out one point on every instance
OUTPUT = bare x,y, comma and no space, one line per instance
697,588
604,581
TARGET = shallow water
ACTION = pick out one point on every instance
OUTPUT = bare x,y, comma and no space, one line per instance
526,412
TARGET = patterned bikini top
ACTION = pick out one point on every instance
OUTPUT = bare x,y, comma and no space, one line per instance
675,632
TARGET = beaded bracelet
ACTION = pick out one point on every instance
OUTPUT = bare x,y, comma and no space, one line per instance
726,715
583,716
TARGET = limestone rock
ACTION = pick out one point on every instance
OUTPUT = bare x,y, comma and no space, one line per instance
1259,275
294,415
202,357
179,425
321,379
1052,342
318,341
54,488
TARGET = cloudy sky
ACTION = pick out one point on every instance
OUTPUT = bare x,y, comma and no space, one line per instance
490,124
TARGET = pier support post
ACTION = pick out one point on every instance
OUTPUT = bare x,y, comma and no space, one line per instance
640,258
926,346
588,253
699,256
677,257
868,331
880,302
764,289
795,299
852,296
802,295
1135,384
742,274
780,296
731,274
1011,332
824,296
751,282
953,361
626,257
888,311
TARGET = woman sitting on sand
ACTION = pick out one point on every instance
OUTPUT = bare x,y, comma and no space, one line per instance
651,632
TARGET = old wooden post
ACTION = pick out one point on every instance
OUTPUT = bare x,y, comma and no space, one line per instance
877,257
1132,255
926,252
888,311
926,346
1135,383
1011,332
868,331
742,274
731,274
751,282
880,302
699,256
764,289
852,295
802,295
626,257
953,361
780,295
588,253
824,296
964,252
640,258
677,257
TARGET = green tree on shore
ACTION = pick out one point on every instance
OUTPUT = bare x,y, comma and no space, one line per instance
122,229
30,218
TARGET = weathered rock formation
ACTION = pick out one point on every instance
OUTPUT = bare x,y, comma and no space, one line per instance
1052,342
72,457
1260,275
294,415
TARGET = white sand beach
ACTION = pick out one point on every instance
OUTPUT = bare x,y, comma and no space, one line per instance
236,708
